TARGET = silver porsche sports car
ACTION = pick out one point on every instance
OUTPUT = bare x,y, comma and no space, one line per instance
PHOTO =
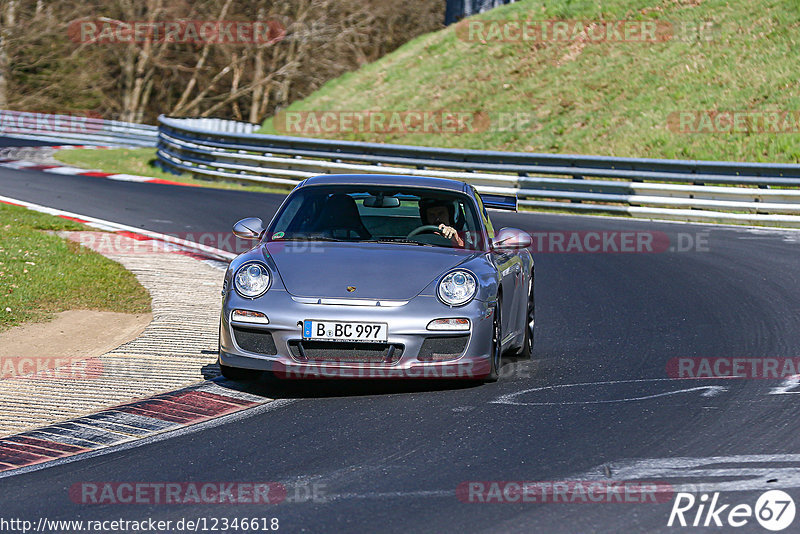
374,276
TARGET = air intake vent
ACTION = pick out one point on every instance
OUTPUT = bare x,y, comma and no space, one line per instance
442,348
345,352
255,340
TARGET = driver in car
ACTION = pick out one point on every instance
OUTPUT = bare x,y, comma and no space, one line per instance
440,213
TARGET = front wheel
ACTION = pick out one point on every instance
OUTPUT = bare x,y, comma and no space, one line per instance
530,320
496,354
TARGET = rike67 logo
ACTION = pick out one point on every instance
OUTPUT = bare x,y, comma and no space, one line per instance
774,510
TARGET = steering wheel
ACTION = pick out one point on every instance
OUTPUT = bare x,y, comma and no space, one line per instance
423,228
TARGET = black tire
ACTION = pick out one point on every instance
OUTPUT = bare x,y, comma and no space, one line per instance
530,321
237,373
496,355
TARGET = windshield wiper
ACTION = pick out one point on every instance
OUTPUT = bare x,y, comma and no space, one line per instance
402,240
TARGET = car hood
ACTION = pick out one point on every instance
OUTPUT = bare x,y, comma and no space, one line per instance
377,271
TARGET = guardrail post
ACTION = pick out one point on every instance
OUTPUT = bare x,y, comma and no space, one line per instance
575,200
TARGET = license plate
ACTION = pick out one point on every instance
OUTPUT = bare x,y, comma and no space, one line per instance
345,331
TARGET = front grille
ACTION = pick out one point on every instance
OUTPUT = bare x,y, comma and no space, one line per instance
345,352
255,340
441,348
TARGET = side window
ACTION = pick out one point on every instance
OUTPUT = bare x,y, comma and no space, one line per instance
485,216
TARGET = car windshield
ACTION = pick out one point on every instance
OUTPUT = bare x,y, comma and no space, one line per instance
409,216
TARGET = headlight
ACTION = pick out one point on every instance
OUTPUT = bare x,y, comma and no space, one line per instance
457,288
251,280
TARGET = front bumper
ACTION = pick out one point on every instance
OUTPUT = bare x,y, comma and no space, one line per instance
407,332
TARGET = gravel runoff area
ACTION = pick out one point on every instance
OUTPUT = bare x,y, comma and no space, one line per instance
177,349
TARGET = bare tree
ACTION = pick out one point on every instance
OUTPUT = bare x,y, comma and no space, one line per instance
45,67
7,20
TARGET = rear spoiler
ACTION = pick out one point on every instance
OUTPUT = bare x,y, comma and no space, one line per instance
499,202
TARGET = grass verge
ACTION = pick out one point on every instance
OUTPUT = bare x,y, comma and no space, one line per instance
41,273
576,96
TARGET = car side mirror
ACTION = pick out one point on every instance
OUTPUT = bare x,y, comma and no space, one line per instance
511,239
250,228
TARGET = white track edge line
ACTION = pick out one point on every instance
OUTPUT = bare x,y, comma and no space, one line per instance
148,233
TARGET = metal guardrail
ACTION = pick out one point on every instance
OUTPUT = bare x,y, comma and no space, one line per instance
664,189
75,129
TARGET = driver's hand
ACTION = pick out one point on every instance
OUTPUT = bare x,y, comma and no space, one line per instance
447,231
450,233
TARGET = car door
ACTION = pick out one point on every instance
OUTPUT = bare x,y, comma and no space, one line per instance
508,267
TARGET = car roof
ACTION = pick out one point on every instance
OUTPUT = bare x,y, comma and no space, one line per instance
386,179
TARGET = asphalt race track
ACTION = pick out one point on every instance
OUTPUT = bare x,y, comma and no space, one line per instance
595,399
